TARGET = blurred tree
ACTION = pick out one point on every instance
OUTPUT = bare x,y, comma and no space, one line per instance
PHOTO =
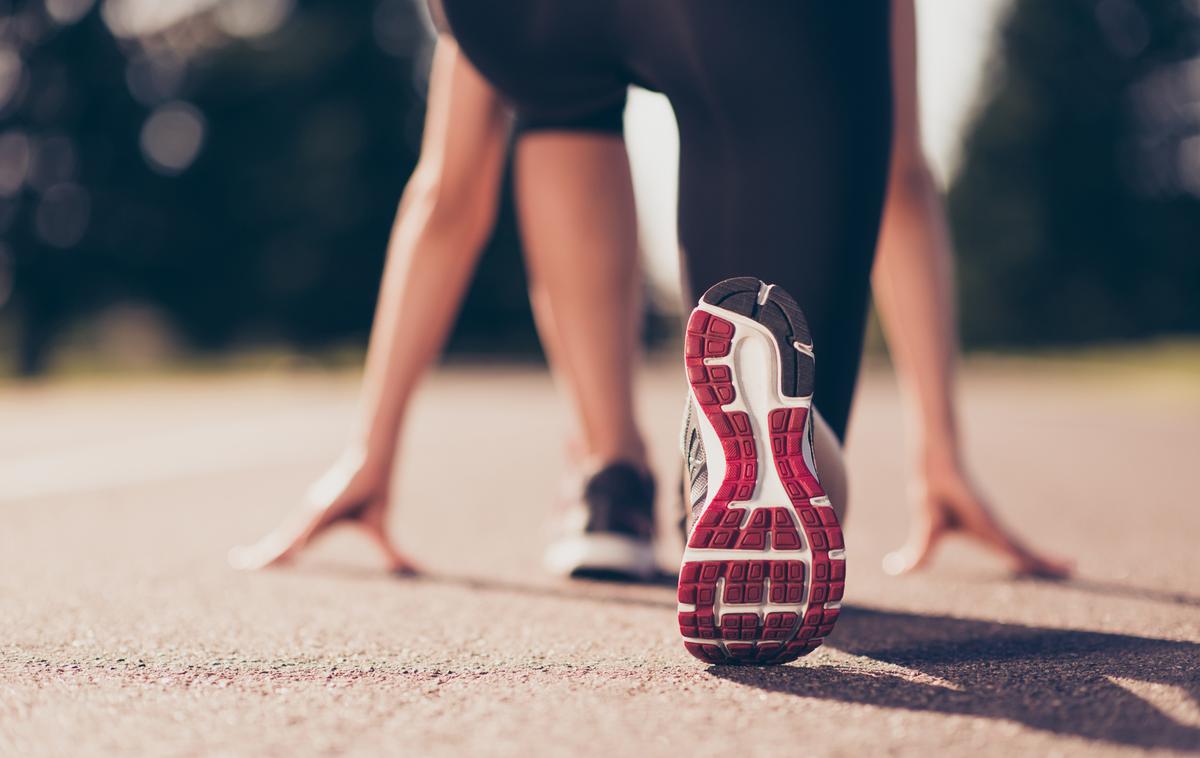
62,92
236,166
1077,208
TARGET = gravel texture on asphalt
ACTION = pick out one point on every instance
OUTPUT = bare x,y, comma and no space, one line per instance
123,631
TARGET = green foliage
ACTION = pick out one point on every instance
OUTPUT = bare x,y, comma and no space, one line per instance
1076,212
275,232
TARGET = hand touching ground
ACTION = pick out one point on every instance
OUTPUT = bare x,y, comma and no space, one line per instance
947,503
347,494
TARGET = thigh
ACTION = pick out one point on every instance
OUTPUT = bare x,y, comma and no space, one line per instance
553,60
464,141
784,112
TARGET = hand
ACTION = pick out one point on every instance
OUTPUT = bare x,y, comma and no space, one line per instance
347,493
947,501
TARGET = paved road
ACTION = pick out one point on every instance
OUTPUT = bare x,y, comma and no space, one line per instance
122,630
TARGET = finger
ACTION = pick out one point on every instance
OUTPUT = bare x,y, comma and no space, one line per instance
1044,566
281,545
374,524
976,521
1024,561
269,551
975,518
397,562
916,553
404,567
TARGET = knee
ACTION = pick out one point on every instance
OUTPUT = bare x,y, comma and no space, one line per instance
453,206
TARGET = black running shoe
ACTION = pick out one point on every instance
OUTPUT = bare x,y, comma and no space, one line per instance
607,530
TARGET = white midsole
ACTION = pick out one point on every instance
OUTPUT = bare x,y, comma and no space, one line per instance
601,552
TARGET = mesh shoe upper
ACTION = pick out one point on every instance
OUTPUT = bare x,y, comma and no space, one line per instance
619,499
606,526
695,469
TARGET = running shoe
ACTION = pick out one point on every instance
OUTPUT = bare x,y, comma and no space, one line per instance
764,565
606,530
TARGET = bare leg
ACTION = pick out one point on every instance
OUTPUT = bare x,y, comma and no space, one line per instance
548,335
547,329
443,221
583,256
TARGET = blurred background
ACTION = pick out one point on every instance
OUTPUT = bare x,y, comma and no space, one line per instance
205,180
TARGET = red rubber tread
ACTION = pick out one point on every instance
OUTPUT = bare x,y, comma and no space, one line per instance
779,637
709,337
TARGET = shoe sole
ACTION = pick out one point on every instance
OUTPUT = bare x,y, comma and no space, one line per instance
764,569
592,556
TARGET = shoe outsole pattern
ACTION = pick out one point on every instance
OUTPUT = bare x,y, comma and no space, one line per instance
782,599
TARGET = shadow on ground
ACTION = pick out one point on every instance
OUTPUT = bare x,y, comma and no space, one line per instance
1108,588
1059,680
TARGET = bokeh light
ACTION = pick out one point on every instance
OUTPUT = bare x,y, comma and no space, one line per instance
68,11
63,214
253,18
172,137
1189,165
15,157
1124,26
155,76
6,274
142,18
12,74
54,162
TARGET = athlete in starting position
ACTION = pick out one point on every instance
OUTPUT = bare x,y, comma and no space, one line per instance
786,127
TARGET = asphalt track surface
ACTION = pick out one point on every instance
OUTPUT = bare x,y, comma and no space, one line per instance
123,631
